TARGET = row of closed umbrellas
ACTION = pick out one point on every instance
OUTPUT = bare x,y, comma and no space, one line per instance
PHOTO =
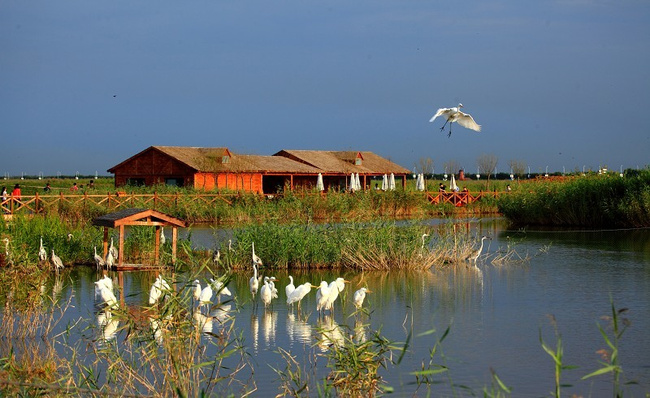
387,184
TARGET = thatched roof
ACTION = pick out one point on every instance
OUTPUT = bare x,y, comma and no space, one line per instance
344,161
221,160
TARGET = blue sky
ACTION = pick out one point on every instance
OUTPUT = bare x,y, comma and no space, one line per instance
564,84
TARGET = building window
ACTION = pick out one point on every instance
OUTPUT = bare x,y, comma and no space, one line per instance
225,159
135,182
357,161
174,182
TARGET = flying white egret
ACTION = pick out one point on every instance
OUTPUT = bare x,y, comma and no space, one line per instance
335,288
290,287
42,254
322,295
99,261
477,253
56,260
266,292
359,296
456,115
299,293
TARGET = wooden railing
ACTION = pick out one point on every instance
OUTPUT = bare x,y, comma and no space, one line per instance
37,204
459,198
111,201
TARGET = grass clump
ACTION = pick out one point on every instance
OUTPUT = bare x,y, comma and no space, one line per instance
360,246
589,201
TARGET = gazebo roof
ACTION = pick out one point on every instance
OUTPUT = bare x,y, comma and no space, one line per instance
137,217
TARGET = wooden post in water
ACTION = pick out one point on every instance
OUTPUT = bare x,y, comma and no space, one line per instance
105,242
156,250
174,238
121,254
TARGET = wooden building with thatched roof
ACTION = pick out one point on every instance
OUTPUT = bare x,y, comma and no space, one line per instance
219,168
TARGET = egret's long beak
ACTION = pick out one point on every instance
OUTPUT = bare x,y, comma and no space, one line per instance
368,291
344,281
314,287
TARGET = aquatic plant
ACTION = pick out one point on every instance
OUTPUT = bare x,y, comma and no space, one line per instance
558,355
589,201
610,358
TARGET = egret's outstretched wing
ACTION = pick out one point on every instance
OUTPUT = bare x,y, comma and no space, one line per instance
466,120
441,112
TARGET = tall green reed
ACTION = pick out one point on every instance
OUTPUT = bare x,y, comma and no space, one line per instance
590,201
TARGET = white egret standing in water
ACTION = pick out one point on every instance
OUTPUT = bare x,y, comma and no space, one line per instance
254,282
56,260
159,287
299,293
322,294
477,253
42,254
113,250
256,259
220,289
290,287
335,288
266,292
162,236
99,261
359,296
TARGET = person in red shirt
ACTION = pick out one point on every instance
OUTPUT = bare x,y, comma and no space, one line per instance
15,194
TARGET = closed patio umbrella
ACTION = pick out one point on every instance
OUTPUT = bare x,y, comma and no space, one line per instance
384,183
419,184
452,184
319,183
391,182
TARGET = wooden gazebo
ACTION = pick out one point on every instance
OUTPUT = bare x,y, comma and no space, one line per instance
142,217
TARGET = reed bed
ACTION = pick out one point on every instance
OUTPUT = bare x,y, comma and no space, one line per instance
162,350
589,201
359,246
239,207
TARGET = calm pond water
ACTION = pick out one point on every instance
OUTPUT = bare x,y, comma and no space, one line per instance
495,313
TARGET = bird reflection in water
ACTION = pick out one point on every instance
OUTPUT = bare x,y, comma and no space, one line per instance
360,332
330,333
156,328
298,329
203,322
269,327
107,326
255,331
